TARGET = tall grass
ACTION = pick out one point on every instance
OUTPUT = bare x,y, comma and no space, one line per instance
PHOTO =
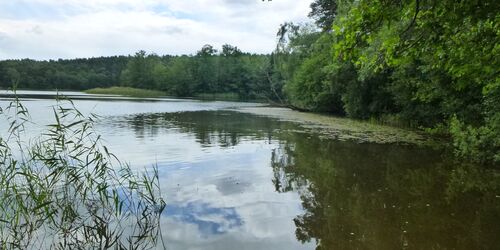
218,96
126,91
65,190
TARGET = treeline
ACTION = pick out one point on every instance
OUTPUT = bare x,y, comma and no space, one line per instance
421,63
209,71
75,74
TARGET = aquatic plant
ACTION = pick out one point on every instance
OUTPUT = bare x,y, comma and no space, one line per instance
65,190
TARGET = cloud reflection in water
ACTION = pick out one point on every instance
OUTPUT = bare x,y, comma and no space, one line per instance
209,220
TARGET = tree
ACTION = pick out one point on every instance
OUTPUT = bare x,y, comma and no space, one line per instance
207,50
324,12
444,52
139,71
178,77
206,65
315,84
229,50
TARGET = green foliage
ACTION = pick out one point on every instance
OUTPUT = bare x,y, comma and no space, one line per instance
294,43
139,71
207,72
324,12
480,143
368,98
428,64
77,74
442,55
177,77
313,85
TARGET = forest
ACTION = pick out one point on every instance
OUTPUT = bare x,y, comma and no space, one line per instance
422,64
208,71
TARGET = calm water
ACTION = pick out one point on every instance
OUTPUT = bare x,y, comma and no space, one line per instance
234,180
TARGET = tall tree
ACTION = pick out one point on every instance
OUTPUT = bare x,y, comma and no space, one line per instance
139,71
324,12
206,69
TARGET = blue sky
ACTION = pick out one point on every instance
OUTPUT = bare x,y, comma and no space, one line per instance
52,29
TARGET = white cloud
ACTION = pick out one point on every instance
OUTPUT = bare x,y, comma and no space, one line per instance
47,29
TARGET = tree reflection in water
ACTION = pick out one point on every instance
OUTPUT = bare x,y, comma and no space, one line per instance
359,196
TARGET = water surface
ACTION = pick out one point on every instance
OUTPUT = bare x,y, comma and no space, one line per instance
236,180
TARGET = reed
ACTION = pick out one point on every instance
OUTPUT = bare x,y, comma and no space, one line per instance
65,190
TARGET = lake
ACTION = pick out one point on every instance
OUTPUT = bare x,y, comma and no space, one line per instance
239,176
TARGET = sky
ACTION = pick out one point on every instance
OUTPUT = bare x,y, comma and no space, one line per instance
53,29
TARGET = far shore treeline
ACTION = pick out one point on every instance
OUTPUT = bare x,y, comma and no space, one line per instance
431,65
208,71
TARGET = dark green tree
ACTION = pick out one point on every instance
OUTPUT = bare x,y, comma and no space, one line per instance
324,12
139,71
